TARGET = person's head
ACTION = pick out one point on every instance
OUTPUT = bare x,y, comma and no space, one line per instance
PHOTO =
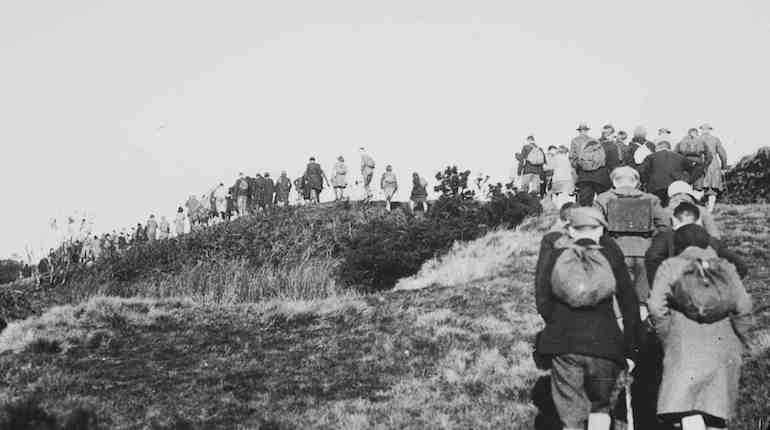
691,235
705,129
416,175
341,159
179,209
152,216
608,130
564,211
623,177
389,168
640,132
693,132
312,159
221,184
663,145
678,188
283,173
583,128
552,150
531,139
362,149
685,214
240,174
563,149
621,136
586,223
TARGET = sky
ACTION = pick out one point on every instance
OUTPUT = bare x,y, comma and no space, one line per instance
120,109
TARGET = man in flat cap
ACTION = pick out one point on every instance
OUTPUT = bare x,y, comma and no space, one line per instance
586,346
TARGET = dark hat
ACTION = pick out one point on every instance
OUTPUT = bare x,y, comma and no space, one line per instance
583,126
691,235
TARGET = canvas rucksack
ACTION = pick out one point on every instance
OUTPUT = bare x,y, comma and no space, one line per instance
591,156
641,153
536,156
630,214
705,292
582,276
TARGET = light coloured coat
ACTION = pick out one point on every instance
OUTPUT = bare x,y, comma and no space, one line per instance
702,362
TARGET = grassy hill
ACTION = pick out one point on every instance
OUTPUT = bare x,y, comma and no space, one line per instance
448,348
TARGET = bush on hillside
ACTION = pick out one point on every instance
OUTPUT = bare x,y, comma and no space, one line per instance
749,180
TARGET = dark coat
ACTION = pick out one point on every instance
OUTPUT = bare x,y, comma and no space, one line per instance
588,331
635,143
602,175
525,167
268,192
315,176
662,168
662,248
282,189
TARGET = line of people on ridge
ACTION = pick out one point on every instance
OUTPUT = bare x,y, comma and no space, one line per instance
585,166
628,285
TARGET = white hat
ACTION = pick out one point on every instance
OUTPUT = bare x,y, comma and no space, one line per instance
681,187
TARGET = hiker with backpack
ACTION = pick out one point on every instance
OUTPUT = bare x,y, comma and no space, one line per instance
632,217
367,172
680,192
698,156
713,180
220,201
282,189
702,314
531,163
661,168
580,278
340,178
389,185
258,185
151,228
662,245
639,148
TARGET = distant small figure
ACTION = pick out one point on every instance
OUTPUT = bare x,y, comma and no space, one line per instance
419,194
367,171
258,187
179,222
531,162
620,142
282,189
389,185
164,230
220,201
243,191
268,192
340,178
152,228
315,177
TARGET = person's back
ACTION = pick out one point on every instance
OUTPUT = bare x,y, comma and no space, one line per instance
662,168
268,191
586,344
702,361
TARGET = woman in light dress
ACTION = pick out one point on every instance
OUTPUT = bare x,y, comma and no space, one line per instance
340,178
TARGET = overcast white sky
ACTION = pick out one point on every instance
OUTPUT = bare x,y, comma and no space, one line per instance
122,108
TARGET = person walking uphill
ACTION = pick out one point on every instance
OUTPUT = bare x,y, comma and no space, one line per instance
242,194
698,156
282,189
419,194
315,178
702,349
268,192
582,337
713,181
660,169
152,228
593,160
638,149
389,185
367,171
531,162
340,178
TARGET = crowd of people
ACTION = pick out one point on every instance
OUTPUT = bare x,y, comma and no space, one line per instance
584,167
634,280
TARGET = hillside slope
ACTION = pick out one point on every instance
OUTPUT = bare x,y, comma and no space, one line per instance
450,350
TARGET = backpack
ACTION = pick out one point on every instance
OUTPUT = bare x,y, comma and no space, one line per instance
630,214
582,276
705,291
641,153
591,156
536,157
